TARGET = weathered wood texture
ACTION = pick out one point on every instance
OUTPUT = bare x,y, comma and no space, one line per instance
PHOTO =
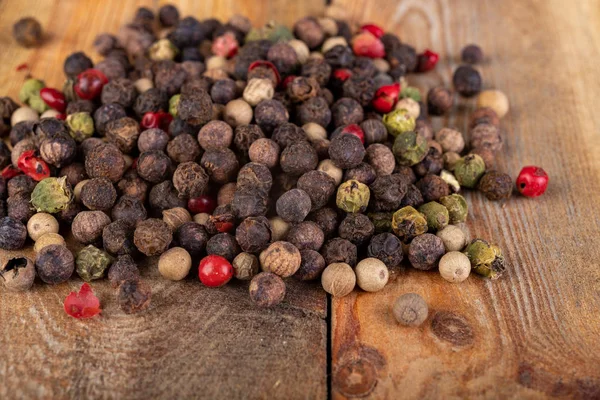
533,333
193,342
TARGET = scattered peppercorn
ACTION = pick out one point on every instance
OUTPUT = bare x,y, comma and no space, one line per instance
133,296
410,309
54,264
338,279
532,181
17,274
486,258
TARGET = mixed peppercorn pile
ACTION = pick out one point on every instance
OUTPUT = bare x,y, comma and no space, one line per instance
302,153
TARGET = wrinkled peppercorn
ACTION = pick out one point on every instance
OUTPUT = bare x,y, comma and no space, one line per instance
129,209
387,192
123,269
253,234
269,114
339,250
153,100
117,238
88,225
439,100
54,264
192,237
432,187
190,180
133,296
319,186
105,161
425,251
294,205
314,110
98,194
298,158
306,235
12,234
346,151
387,248
326,218
346,111
152,237
363,173
220,165
495,185
154,166
312,265
356,228
224,245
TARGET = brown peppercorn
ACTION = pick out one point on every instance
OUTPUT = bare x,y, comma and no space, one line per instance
413,197
264,151
410,310
81,106
117,238
387,192
318,69
123,133
226,193
249,203
488,156
467,81
28,32
58,150
306,235
450,140
294,205
387,248
220,165
485,136
12,234
54,264
309,31
363,173
255,176
338,279
484,115
339,250
20,184
105,114
104,43
195,107
253,234
346,151
287,134
154,166
129,209
133,185
224,245
357,228
245,266
183,148
301,88
496,185
298,158
168,15
269,114
311,266
319,186
153,100
175,217
439,100
215,135
267,289
381,158
192,237
98,194
432,187
326,218
152,237
245,135
280,258
74,172
120,91
133,296
88,225
19,207
315,110
359,88
105,161
17,274
472,54
346,111
190,180
153,139
425,251
374,130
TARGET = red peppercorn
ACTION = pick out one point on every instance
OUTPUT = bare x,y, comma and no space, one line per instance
287,81
263,63
89,83
83,304
223,226
354,129
225,45
215,271
22,67
532,181
61,116
368,45
10,172
386,98
375,30
342,74
32,166
202,204
159,119
54,98
427,60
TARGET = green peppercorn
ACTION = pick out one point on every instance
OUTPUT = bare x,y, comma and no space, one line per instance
353,196
486,259
398,121
381,220
408,223
173,104
468,170
30,95
411,92
410,148
457,207
81,126
436,215
91,262
52,195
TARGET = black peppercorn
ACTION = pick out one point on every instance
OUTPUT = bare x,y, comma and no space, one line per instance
54,264
311,266
314,110
433,163
253,234
117,238
306,235
356,228
153,100
387,248
129,209
74,172
284,57
19,207
58,150
264,151
98,194
346,111
346,151
359,89
78,106
425,251
374,130
248,202
255,176
164,196
301,89
223,91
152,237
154,166
133,296
439,100
318,69
339,57
105,161
20,131
224,245
267,289
124,269
326,218
433,187
298,158
104,43
123,133
155,139
183,148
28,32
245,135
168,15
12,234
120,91
190,180
169,77
76,63
192,237
467,81
387,192
319,186
215,135
472,54
269,114
363,173
88,225
20,184
287,134
133,185
338,250
107,113
195,108
293,206
496,185
220,165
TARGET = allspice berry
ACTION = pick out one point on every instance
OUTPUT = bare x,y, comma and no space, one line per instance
338,279
175,264
371,274
425,251
88,225
245,266
40,224
54,264
280,258
453,237
496,185
17,274
410,309
267,289
152,237
455,266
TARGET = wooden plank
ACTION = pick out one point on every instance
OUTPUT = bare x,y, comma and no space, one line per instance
534,332
193,342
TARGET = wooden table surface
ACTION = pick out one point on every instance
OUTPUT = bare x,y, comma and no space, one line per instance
532,334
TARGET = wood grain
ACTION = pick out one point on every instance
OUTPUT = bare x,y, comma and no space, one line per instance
534,332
